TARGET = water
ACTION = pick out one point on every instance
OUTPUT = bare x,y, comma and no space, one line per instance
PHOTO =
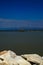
22,42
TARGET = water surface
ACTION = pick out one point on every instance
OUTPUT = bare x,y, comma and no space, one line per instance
22,42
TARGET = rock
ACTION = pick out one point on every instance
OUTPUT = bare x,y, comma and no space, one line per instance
42,57
21,61
3,52
3,64
8,57
8,53
12,59
41,61
32,58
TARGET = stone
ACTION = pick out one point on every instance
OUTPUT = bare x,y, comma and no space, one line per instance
12,59
21,61
35,58
3,52
9,57
41,61
3,64
7,54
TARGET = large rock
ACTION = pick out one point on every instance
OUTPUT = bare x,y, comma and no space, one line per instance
21,61
10,58
3,52
3,64
8,53
41,61
32,58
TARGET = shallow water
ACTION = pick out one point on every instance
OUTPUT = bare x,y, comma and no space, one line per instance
22,42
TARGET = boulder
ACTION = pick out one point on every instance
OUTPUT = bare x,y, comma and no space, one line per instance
21,61
12,59
34,58
3,64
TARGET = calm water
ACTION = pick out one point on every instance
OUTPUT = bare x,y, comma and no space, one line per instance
22,42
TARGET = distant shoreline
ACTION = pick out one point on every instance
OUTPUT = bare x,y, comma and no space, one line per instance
21,30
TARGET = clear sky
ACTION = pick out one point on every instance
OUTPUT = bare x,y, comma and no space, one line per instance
21,10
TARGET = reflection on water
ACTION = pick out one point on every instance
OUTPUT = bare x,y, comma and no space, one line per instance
22,42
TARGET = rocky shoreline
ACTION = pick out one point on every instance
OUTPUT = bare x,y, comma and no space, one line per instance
8,57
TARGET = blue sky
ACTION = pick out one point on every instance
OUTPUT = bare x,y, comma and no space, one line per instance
31,10
21,9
